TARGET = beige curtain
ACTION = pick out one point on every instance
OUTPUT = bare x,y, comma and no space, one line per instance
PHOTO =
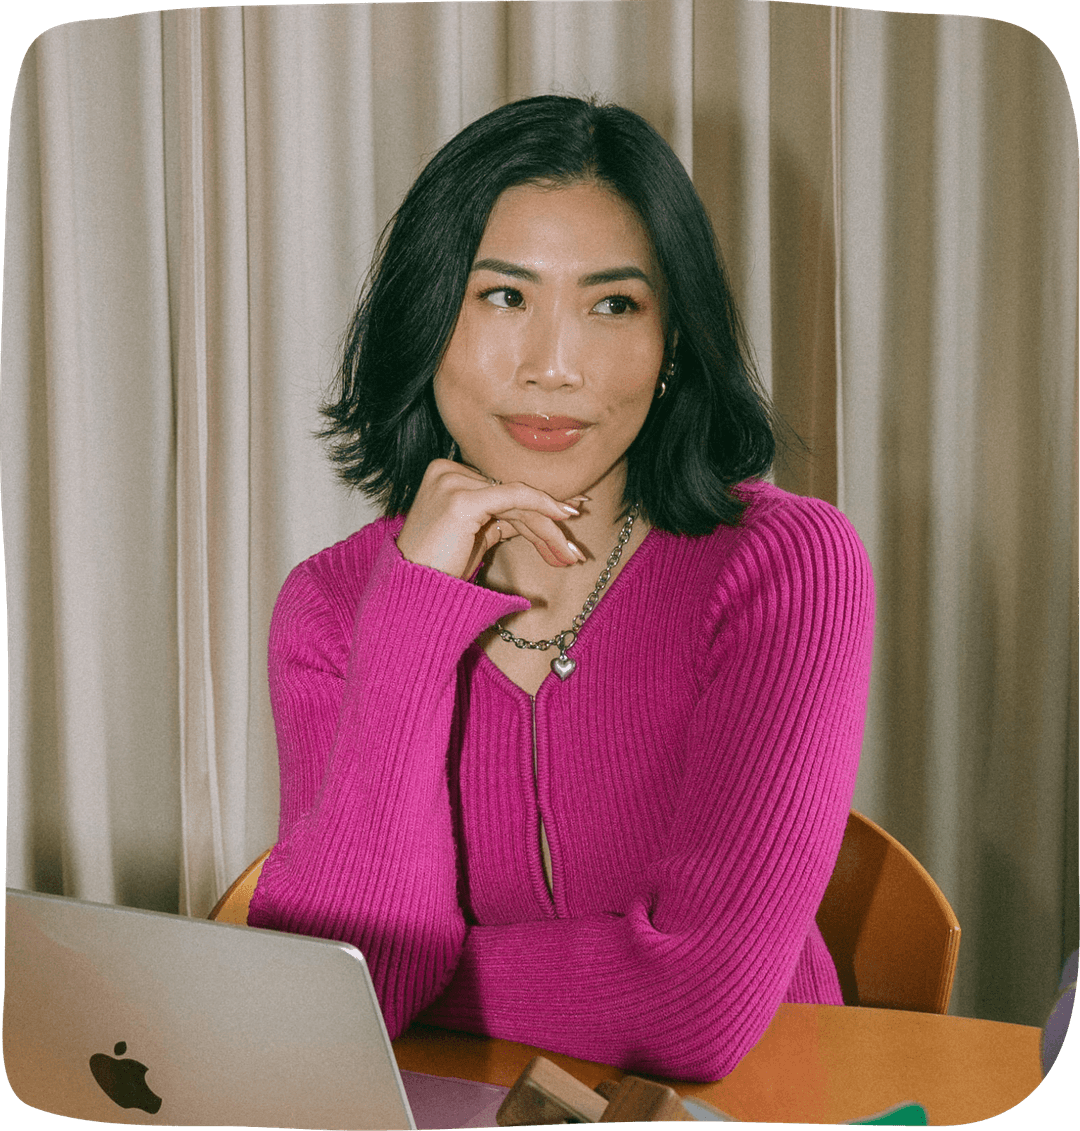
193,198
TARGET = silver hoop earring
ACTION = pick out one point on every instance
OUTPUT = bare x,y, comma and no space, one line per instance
661,390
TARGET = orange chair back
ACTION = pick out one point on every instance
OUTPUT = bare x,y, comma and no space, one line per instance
232,907
890,930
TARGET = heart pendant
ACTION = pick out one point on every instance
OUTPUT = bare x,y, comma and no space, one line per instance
563,666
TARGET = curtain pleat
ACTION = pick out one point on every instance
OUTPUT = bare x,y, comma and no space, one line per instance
88,396
212,401
194,197
732,145
958,332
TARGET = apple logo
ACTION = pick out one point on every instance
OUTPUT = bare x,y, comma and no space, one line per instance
124,1081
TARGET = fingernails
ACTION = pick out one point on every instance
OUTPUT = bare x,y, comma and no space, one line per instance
569,509
576,552
580,499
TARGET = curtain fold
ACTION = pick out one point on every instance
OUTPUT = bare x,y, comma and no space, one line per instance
193,199
958,332
87,395
211,364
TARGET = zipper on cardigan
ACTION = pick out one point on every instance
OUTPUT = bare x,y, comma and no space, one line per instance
545,850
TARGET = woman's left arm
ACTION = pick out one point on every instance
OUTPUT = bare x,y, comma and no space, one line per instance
686,981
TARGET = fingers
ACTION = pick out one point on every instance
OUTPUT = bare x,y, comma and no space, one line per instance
464,475
550,544
534,516
545,535
459,514
548,541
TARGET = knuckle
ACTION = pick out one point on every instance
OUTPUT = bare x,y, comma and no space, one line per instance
433,472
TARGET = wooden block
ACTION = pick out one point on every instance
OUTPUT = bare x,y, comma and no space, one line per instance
638,1101
607,1088
544,1093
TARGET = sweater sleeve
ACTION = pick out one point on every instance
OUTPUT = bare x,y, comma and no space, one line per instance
686,981
362,713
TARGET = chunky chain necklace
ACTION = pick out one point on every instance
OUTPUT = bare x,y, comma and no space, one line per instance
563,666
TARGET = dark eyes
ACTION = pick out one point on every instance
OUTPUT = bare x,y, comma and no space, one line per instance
616,304
506,297
509,298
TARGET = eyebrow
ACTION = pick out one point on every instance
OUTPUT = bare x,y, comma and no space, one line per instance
611,275
502,267
615,275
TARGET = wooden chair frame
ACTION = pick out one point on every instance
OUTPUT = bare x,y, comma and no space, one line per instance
232,907
890,930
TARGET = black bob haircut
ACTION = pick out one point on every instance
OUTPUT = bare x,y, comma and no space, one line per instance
711,430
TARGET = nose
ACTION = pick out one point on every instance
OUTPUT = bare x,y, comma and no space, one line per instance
552,351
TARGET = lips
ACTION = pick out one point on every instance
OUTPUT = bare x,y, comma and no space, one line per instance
541,433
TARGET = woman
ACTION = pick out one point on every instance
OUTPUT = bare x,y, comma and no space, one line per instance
567,739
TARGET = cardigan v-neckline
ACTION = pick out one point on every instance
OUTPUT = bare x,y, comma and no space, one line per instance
612,597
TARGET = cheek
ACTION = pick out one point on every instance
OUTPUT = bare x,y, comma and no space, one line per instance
451,385
474,360
466,382
634,374
455,355
636,388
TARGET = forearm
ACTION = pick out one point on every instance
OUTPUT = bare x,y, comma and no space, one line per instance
614,990
369,856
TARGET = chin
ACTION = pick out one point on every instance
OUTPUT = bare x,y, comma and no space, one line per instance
563,480
553,479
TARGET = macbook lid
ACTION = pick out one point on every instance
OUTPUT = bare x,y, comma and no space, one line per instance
122,1015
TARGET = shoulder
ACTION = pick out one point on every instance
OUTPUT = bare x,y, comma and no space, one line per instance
777,531
778,522
799,565
788,563
354,556
328,585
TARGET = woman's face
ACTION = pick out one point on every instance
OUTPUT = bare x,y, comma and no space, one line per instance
559,345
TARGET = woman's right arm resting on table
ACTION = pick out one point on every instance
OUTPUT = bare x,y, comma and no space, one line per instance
366,849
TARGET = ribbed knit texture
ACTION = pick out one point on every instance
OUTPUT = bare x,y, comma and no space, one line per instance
694,776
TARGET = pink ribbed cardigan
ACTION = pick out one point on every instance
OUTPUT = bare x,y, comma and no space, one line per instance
693,775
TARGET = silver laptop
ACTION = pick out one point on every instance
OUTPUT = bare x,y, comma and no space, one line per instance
127,1016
